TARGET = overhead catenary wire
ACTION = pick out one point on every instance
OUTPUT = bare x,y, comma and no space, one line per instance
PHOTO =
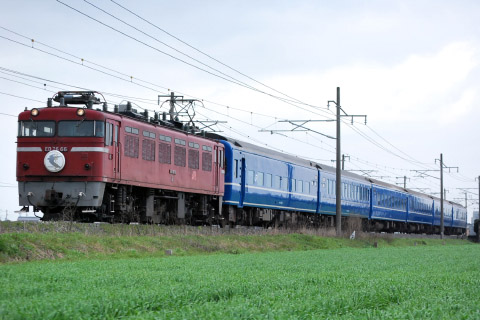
130,79
179,59
332,148
207,55
257,127
214,103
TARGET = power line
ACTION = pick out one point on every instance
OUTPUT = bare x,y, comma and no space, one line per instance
7,114
207,55
226,115
12,95
228,107
179,59
130,79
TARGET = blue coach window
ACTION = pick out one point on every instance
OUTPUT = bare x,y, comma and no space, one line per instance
260,179
306,187
250,175
276,182
299,186
268,180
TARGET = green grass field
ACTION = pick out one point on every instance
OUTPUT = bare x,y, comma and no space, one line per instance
417,282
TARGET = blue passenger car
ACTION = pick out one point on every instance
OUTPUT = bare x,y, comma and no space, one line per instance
388,203
263,187
270,180
355,194
420,208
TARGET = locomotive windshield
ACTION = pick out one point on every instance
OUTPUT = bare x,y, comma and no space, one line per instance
32,128
82,128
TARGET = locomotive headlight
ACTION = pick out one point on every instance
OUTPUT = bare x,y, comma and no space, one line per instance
80,112
34,112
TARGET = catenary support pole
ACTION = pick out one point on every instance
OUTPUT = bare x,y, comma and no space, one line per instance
338,218
441,196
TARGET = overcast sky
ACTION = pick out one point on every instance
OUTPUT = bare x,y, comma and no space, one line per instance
411,66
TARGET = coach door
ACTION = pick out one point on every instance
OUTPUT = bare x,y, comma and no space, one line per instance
217,168
242,182
113,145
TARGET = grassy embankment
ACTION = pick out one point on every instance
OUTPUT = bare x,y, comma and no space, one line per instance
47,241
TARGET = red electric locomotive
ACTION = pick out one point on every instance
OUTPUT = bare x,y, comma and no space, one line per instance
88,164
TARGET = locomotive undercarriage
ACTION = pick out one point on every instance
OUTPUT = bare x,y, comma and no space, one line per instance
130,204
127,204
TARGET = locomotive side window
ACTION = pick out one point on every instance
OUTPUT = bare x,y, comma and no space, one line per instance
36,128
149,134
165,153
115,135
99,129
180,156
180,142
165,138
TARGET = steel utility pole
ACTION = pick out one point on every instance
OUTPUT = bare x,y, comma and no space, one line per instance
338,187
300,126
441,196
423,174
442,227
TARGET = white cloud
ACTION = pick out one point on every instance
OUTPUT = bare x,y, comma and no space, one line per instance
416,88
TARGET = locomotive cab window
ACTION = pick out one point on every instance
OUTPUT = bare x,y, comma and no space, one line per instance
82,128
36,128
